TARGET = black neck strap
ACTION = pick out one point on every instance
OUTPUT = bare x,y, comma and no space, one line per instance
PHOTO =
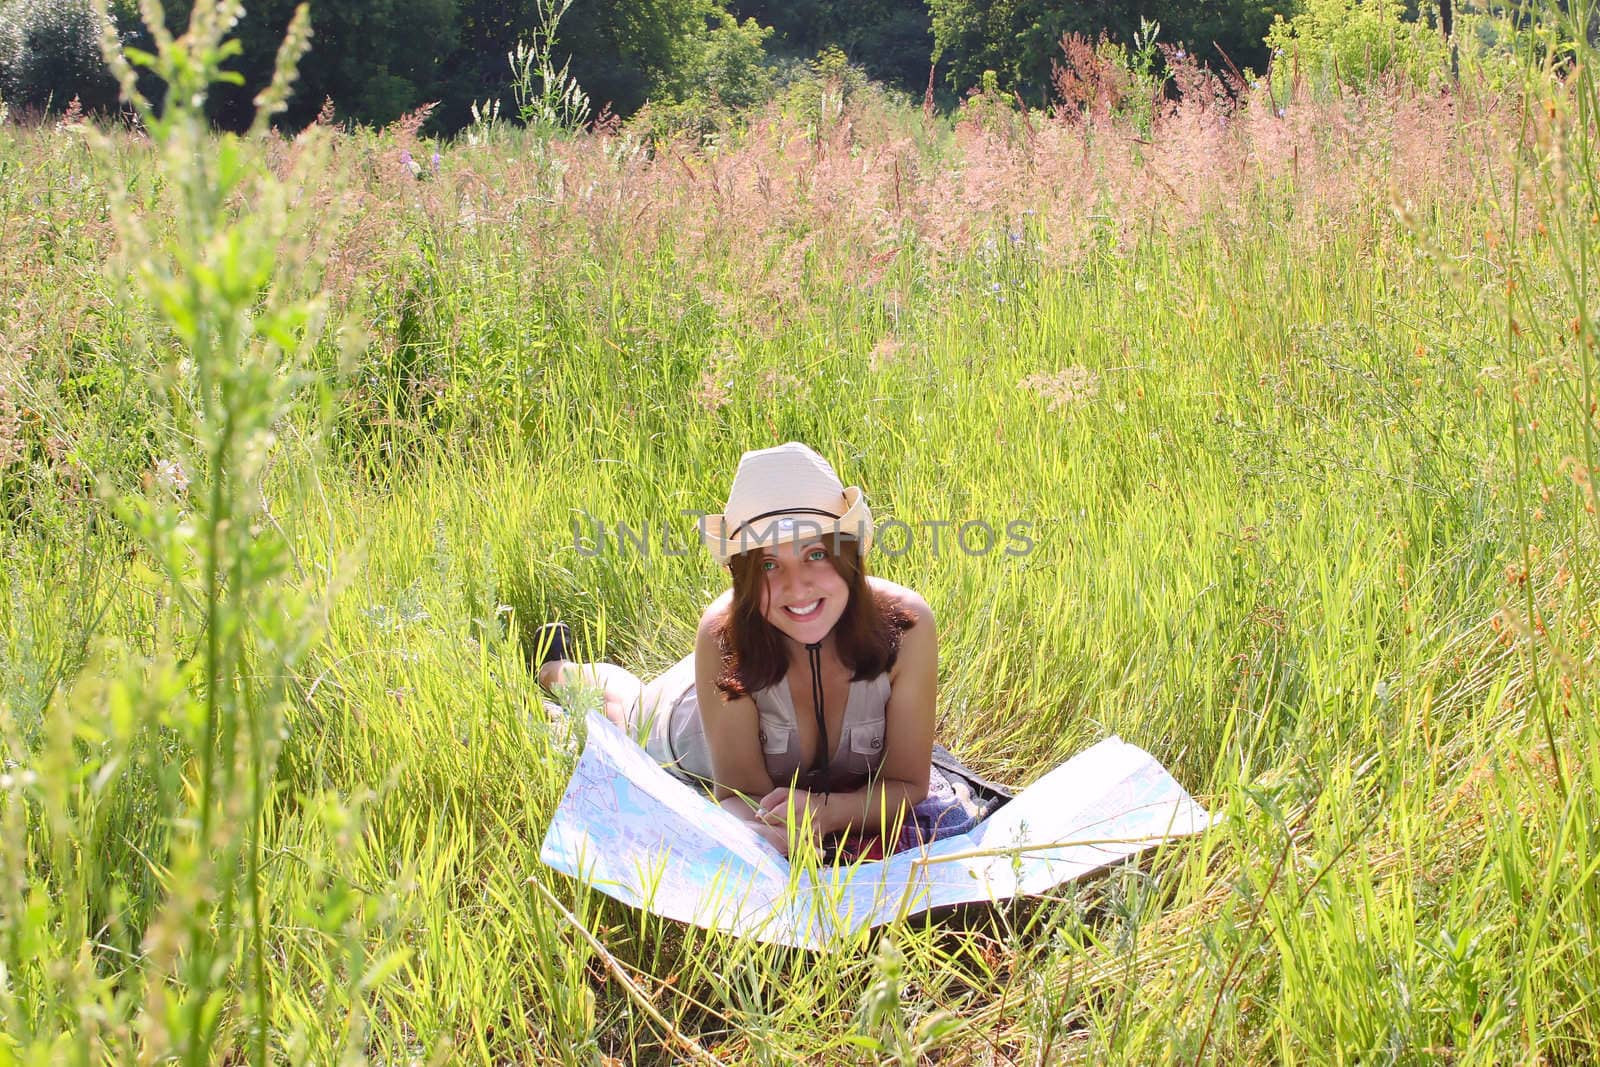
819,765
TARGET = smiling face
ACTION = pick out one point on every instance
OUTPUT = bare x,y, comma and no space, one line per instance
772,592
803,594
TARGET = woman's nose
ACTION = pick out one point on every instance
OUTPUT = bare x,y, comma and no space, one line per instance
791,580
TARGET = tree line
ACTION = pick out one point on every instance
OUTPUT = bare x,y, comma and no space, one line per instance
379,59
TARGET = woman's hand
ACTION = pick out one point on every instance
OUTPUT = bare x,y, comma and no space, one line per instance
781,805
754,817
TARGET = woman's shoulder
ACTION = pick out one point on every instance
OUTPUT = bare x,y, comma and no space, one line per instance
893,596
716,614
916,645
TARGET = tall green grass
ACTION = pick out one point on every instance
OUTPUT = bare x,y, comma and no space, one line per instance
1306,448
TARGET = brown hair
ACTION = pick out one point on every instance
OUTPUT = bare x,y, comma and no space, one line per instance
867,634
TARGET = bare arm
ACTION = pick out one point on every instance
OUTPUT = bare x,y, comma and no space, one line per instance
732,734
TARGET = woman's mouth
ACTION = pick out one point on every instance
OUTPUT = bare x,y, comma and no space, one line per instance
804,611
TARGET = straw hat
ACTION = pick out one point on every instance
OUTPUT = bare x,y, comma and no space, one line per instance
784,494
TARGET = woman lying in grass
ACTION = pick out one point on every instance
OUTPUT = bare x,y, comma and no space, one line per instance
809,697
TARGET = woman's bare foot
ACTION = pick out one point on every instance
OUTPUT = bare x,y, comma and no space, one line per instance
550,643
553,673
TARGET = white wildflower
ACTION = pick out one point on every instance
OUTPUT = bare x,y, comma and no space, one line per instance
1069,387
171,476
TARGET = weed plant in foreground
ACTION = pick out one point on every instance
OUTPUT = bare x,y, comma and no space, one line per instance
1300,411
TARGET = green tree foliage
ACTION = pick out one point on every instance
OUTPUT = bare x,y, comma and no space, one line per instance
829,85
375,58
624,53
1354,42
621,53
617,51
1020,39
378,59
890,39
50,53
728,66
727,73
1214,28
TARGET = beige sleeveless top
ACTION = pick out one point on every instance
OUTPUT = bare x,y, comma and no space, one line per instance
668,721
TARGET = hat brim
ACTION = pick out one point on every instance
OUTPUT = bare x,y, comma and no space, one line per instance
724,543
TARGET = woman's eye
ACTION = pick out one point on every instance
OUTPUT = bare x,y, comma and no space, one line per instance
817,554
769,564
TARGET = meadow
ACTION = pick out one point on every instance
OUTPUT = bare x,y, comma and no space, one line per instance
301,436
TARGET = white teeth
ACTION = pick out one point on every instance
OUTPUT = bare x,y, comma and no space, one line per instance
804,609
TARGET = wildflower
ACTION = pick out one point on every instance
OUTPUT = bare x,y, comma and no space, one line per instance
994,287
10,431
884,352
1180,54
1070,387
436,159
776,383
1282,112
410,164
171,476
712,394
73,116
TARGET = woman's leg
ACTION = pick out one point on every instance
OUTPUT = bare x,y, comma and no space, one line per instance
620,688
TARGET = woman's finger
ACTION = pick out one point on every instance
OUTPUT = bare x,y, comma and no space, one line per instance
774,806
